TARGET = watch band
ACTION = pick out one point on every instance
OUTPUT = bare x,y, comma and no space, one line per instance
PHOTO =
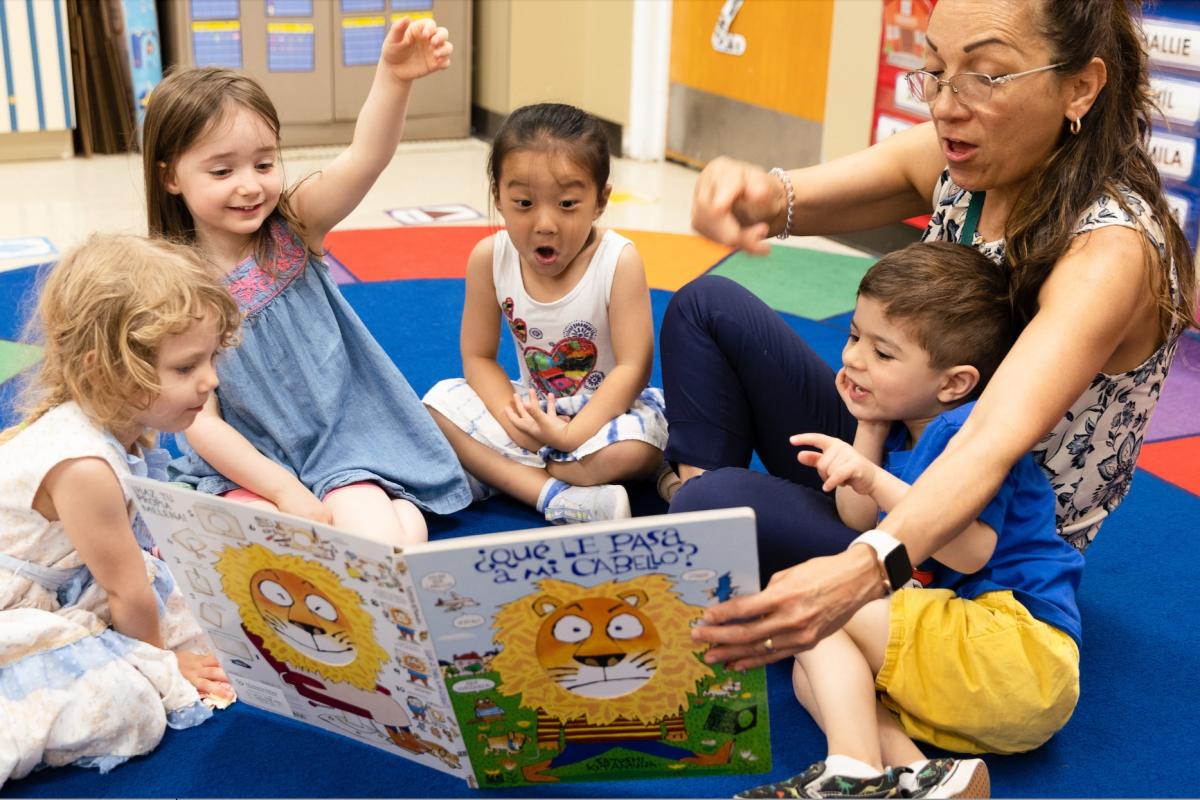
895,569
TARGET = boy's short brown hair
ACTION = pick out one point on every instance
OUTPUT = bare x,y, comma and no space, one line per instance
953,300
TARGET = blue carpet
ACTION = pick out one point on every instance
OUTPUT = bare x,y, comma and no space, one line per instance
1132,734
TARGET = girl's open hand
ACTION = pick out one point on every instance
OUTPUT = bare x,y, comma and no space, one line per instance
837,462
527,416
414,49
205,673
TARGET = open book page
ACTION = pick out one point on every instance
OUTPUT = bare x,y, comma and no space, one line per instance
309,622
567,651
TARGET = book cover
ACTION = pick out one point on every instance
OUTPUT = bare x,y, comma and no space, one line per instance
554,654
568,656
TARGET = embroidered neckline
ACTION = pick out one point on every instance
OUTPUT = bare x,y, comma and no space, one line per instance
253,287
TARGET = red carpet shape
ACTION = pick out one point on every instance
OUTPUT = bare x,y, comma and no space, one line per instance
1176,461
394,254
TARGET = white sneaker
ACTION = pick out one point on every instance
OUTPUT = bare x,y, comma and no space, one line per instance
588,504
948,777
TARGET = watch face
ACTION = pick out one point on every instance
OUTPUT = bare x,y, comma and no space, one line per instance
898,567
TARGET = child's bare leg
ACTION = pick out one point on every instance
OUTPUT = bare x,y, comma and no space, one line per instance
869,628
843,687
804,693
619,461
366,509
897,748
516,480
411,518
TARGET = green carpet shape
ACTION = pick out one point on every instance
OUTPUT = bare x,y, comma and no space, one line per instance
15,357
807,283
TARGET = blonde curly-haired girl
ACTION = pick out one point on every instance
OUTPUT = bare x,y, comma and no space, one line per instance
96,649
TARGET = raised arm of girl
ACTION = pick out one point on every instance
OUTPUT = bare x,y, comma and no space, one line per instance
411,50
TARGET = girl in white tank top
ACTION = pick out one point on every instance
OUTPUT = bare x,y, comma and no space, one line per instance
577,308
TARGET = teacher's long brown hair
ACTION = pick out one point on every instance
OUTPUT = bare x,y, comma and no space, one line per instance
1110,151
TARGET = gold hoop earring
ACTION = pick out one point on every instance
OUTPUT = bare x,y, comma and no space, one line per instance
1076,126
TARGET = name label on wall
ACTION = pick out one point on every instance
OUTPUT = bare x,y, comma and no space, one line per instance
1173,155
1172,43
1181,208
1179,101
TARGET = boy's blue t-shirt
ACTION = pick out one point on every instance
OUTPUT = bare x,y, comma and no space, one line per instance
1031,559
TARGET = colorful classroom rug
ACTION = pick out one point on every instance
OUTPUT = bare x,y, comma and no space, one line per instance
1133,733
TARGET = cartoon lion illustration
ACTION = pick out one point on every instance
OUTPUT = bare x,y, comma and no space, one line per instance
605,666
314,632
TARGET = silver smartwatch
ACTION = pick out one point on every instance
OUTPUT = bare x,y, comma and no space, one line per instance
894,567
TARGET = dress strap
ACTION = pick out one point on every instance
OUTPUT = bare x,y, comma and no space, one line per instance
967,234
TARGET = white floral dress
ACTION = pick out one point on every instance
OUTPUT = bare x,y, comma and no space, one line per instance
72,689
1090,454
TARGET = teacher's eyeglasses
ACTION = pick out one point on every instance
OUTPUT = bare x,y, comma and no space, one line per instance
969,88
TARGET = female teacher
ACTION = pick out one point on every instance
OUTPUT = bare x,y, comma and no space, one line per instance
1036,155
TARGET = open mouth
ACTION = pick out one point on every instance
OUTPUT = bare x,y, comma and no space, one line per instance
247,209
545,254
957,149
857,393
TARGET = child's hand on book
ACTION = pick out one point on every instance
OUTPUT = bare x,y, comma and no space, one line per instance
204,672
301,502
415,49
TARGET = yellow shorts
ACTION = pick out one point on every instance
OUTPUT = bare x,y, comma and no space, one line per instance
976,676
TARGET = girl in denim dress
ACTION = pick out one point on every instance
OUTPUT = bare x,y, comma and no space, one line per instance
312,417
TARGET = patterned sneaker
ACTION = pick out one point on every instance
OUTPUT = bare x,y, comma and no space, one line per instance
588,504
814,782
949,777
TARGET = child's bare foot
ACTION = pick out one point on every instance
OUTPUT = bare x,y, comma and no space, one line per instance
205,673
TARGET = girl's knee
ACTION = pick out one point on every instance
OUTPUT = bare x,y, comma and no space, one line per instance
635,460
627,460
412,521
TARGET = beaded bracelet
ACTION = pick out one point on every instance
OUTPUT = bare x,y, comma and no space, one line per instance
791,199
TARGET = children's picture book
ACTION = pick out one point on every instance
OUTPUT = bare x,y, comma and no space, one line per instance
556,654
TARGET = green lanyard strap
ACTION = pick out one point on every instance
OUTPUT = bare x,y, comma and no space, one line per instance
967,233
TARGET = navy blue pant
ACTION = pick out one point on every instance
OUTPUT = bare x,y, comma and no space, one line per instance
738,380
